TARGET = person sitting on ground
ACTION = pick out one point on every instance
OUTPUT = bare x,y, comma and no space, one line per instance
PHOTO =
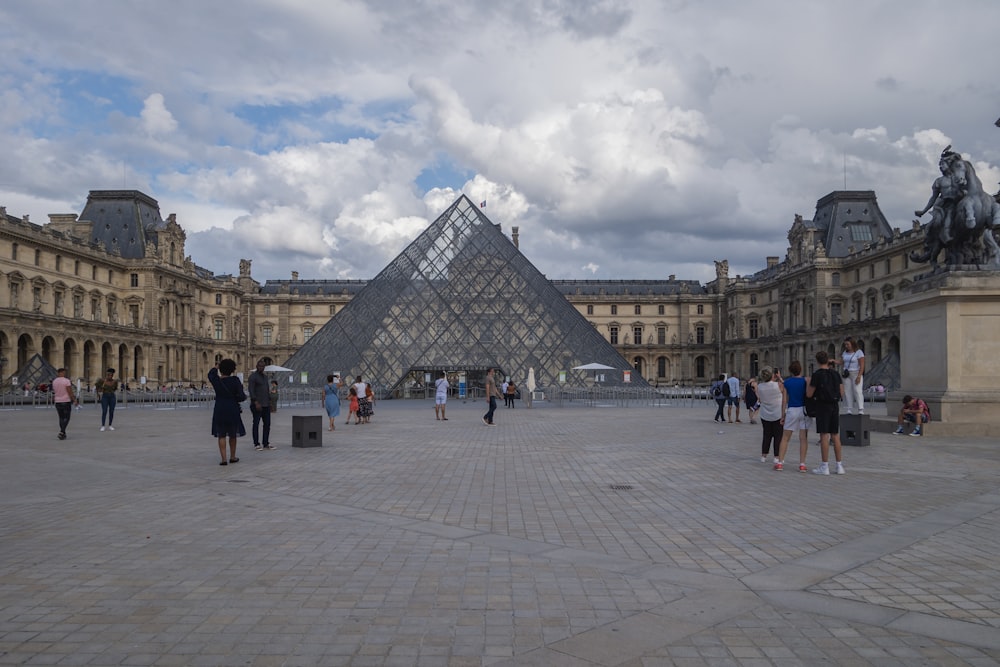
913,409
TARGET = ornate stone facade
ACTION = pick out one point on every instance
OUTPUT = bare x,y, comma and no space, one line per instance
114,288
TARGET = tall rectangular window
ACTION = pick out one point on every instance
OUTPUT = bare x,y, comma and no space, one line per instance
58,262
307,333
614,310
133,280
754,327
218,330
309,309
333,310
638,309
267,309
700,335
614,335
661,367
661,336
660,310
637,335
590,309
701,309
266,334
218,299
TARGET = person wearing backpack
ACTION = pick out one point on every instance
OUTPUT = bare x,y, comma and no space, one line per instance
916,412
825,384
719,397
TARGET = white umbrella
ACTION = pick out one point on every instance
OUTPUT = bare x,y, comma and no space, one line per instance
530,384
593,366
274,368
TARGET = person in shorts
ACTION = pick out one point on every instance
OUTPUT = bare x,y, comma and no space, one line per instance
440,396
795,417
825,384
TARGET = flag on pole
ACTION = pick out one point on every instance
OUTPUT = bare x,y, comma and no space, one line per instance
482,204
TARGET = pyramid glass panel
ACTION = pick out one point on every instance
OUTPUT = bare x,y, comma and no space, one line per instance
460,298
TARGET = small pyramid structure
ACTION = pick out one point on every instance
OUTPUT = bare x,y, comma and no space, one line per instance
35,371
460,297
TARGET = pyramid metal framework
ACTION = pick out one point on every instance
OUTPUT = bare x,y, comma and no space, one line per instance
460,297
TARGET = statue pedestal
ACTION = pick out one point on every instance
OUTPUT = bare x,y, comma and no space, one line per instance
949,327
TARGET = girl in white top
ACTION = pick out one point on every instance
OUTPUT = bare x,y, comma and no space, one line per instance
853,360
772,399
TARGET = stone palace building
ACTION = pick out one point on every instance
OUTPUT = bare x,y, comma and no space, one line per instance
113,287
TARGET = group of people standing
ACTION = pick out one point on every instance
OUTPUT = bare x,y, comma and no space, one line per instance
781,405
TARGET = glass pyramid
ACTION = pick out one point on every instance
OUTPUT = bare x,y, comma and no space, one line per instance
461,298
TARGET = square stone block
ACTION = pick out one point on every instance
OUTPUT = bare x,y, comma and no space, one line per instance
855,430
307,431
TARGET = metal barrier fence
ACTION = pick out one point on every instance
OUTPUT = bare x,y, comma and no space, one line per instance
627,397
562,397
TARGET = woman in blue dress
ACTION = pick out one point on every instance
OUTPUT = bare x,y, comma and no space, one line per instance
331,398
226,420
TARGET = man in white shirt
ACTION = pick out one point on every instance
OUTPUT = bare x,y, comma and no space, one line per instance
734,397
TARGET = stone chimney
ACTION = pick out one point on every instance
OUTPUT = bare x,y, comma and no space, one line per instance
772,262
513,236
295,275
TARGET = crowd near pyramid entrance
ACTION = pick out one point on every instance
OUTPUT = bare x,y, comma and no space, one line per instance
461,298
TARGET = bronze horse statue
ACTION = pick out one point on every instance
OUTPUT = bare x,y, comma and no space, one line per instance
974,214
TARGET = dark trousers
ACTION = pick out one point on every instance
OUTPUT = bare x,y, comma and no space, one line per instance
772,436
64,410
493,408
108,402
264,414
719,414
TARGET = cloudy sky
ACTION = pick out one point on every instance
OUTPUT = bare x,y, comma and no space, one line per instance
627,139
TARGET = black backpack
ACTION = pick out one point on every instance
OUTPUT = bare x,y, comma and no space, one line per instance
717,391
725,389
825,390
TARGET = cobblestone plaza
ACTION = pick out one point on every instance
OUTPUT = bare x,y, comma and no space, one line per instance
590,534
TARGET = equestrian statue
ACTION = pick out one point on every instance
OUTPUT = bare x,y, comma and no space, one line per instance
963,218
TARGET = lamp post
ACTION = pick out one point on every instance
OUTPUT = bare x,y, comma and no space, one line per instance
3,362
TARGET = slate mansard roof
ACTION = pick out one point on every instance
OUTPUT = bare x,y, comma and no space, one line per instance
123,221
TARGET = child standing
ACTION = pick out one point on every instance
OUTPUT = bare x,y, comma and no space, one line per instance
353,393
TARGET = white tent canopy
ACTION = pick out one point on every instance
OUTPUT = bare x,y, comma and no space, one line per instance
593,366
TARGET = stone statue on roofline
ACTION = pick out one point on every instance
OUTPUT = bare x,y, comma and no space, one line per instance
963,218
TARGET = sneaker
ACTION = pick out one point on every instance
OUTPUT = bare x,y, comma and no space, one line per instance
269,447
898,431
62,436
102,429
763,459
803,468
111,428
917,431
824,469
840,469
485,422
258,447
779,466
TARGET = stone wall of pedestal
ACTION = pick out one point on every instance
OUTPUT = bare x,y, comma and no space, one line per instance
949,336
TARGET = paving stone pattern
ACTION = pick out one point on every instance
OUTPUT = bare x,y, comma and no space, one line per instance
581,535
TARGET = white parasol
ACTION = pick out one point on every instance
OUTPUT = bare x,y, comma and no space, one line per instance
274,368
530,384
593,366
